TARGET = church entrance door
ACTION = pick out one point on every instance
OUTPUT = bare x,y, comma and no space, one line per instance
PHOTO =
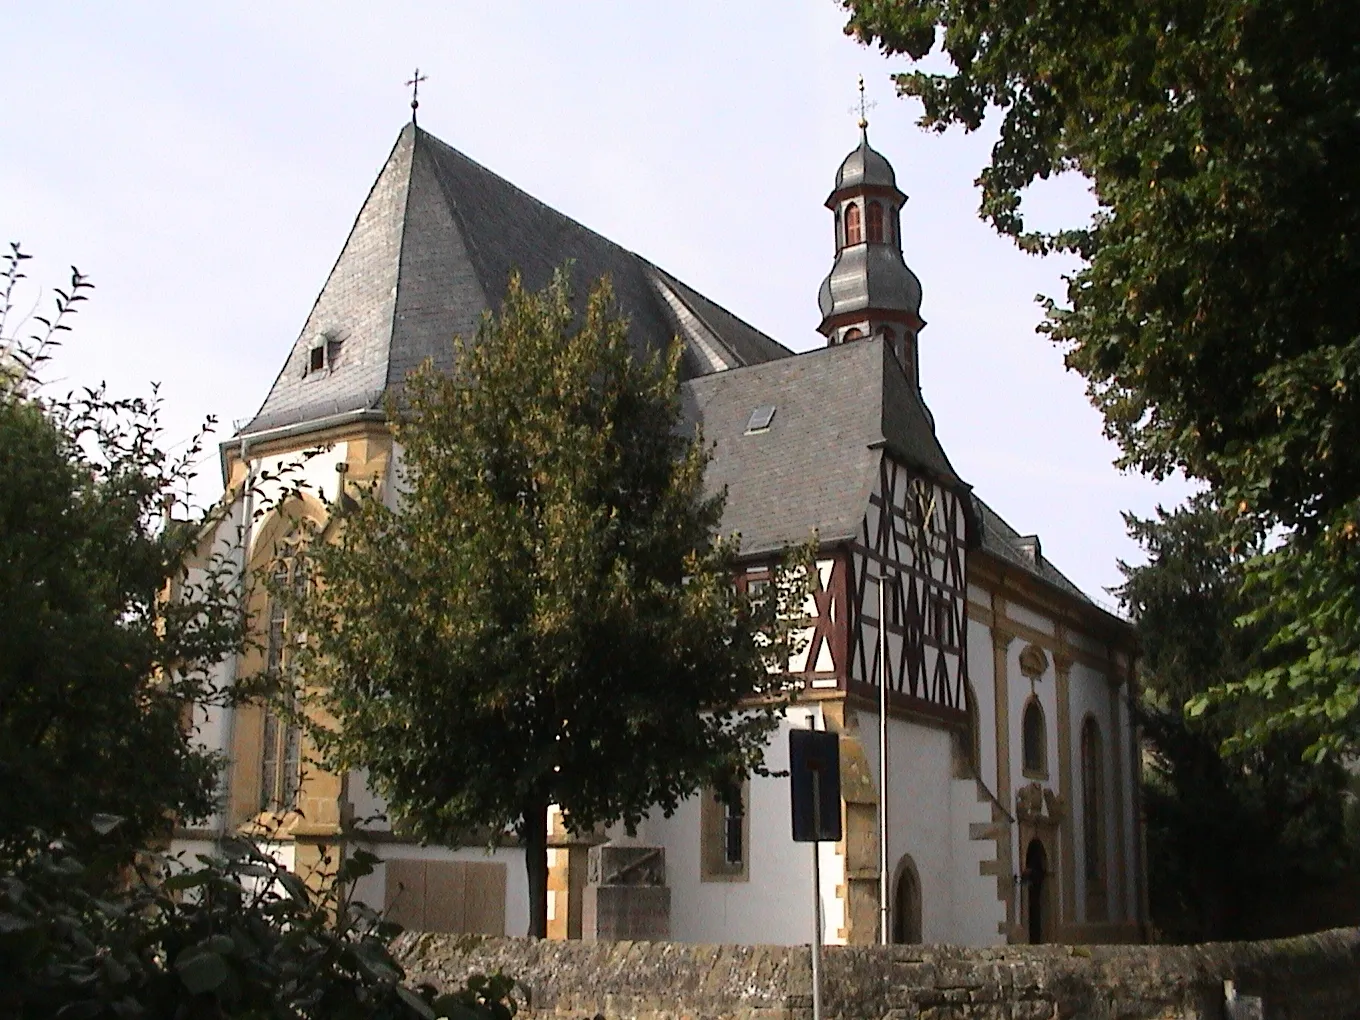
906,904
1036,872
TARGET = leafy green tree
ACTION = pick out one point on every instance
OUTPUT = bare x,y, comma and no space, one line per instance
232,936
547,617
96,663
1212,315
1232,838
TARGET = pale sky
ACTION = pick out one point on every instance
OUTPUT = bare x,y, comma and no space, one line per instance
204,168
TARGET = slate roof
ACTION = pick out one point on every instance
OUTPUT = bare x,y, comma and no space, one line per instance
433,247
1005,543
865,166
836,409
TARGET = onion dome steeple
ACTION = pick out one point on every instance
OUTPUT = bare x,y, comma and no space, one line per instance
870,291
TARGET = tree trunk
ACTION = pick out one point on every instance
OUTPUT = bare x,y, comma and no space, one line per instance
536,864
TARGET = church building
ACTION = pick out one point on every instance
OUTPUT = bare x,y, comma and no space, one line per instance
1012,792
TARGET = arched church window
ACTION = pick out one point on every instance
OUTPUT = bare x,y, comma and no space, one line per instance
874,222
1034,741
1092,805
853,232
853,333
281,753
840,238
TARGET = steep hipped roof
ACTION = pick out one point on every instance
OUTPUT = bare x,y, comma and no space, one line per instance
432,248
814,467
835,410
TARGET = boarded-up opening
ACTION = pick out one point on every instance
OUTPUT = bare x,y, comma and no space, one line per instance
456,897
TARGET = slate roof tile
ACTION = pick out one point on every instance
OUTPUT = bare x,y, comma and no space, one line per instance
433,248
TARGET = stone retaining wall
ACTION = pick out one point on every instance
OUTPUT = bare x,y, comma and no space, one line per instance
1312,977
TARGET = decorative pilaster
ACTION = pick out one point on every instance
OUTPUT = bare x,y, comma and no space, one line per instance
1119,908
1062,670
1005,844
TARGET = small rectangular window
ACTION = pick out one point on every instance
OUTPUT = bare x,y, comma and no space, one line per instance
317,360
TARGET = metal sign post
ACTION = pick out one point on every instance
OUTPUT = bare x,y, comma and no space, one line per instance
816,898
815,790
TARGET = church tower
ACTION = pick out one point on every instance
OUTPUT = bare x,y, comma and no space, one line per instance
870,291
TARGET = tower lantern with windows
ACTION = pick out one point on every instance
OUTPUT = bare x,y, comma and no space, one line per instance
870,291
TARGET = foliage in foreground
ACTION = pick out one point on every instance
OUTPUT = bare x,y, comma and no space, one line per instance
238,936
95,663
1213,317
548,618
1232,837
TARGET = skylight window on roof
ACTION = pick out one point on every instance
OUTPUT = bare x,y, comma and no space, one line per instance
760,419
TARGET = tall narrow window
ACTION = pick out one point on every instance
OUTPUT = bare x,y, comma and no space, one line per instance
724,834
1034,741
874,223
1092,810
281,754
853,233
734,819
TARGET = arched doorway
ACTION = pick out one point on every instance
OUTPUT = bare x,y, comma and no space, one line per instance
1036,873
906,903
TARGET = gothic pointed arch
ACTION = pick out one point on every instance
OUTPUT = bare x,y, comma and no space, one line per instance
266,747
906,902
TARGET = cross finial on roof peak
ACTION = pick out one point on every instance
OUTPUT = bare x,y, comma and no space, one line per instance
414,85
865,105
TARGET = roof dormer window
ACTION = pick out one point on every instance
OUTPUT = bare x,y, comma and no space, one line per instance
324,355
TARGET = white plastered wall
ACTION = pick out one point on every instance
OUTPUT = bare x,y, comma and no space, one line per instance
774,906
929,815
1090,693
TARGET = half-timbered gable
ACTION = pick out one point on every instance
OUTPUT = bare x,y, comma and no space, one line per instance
913,542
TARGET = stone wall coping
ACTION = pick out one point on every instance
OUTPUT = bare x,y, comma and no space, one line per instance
1311,976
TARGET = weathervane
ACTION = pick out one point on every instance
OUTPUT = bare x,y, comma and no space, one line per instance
417,78
863,107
